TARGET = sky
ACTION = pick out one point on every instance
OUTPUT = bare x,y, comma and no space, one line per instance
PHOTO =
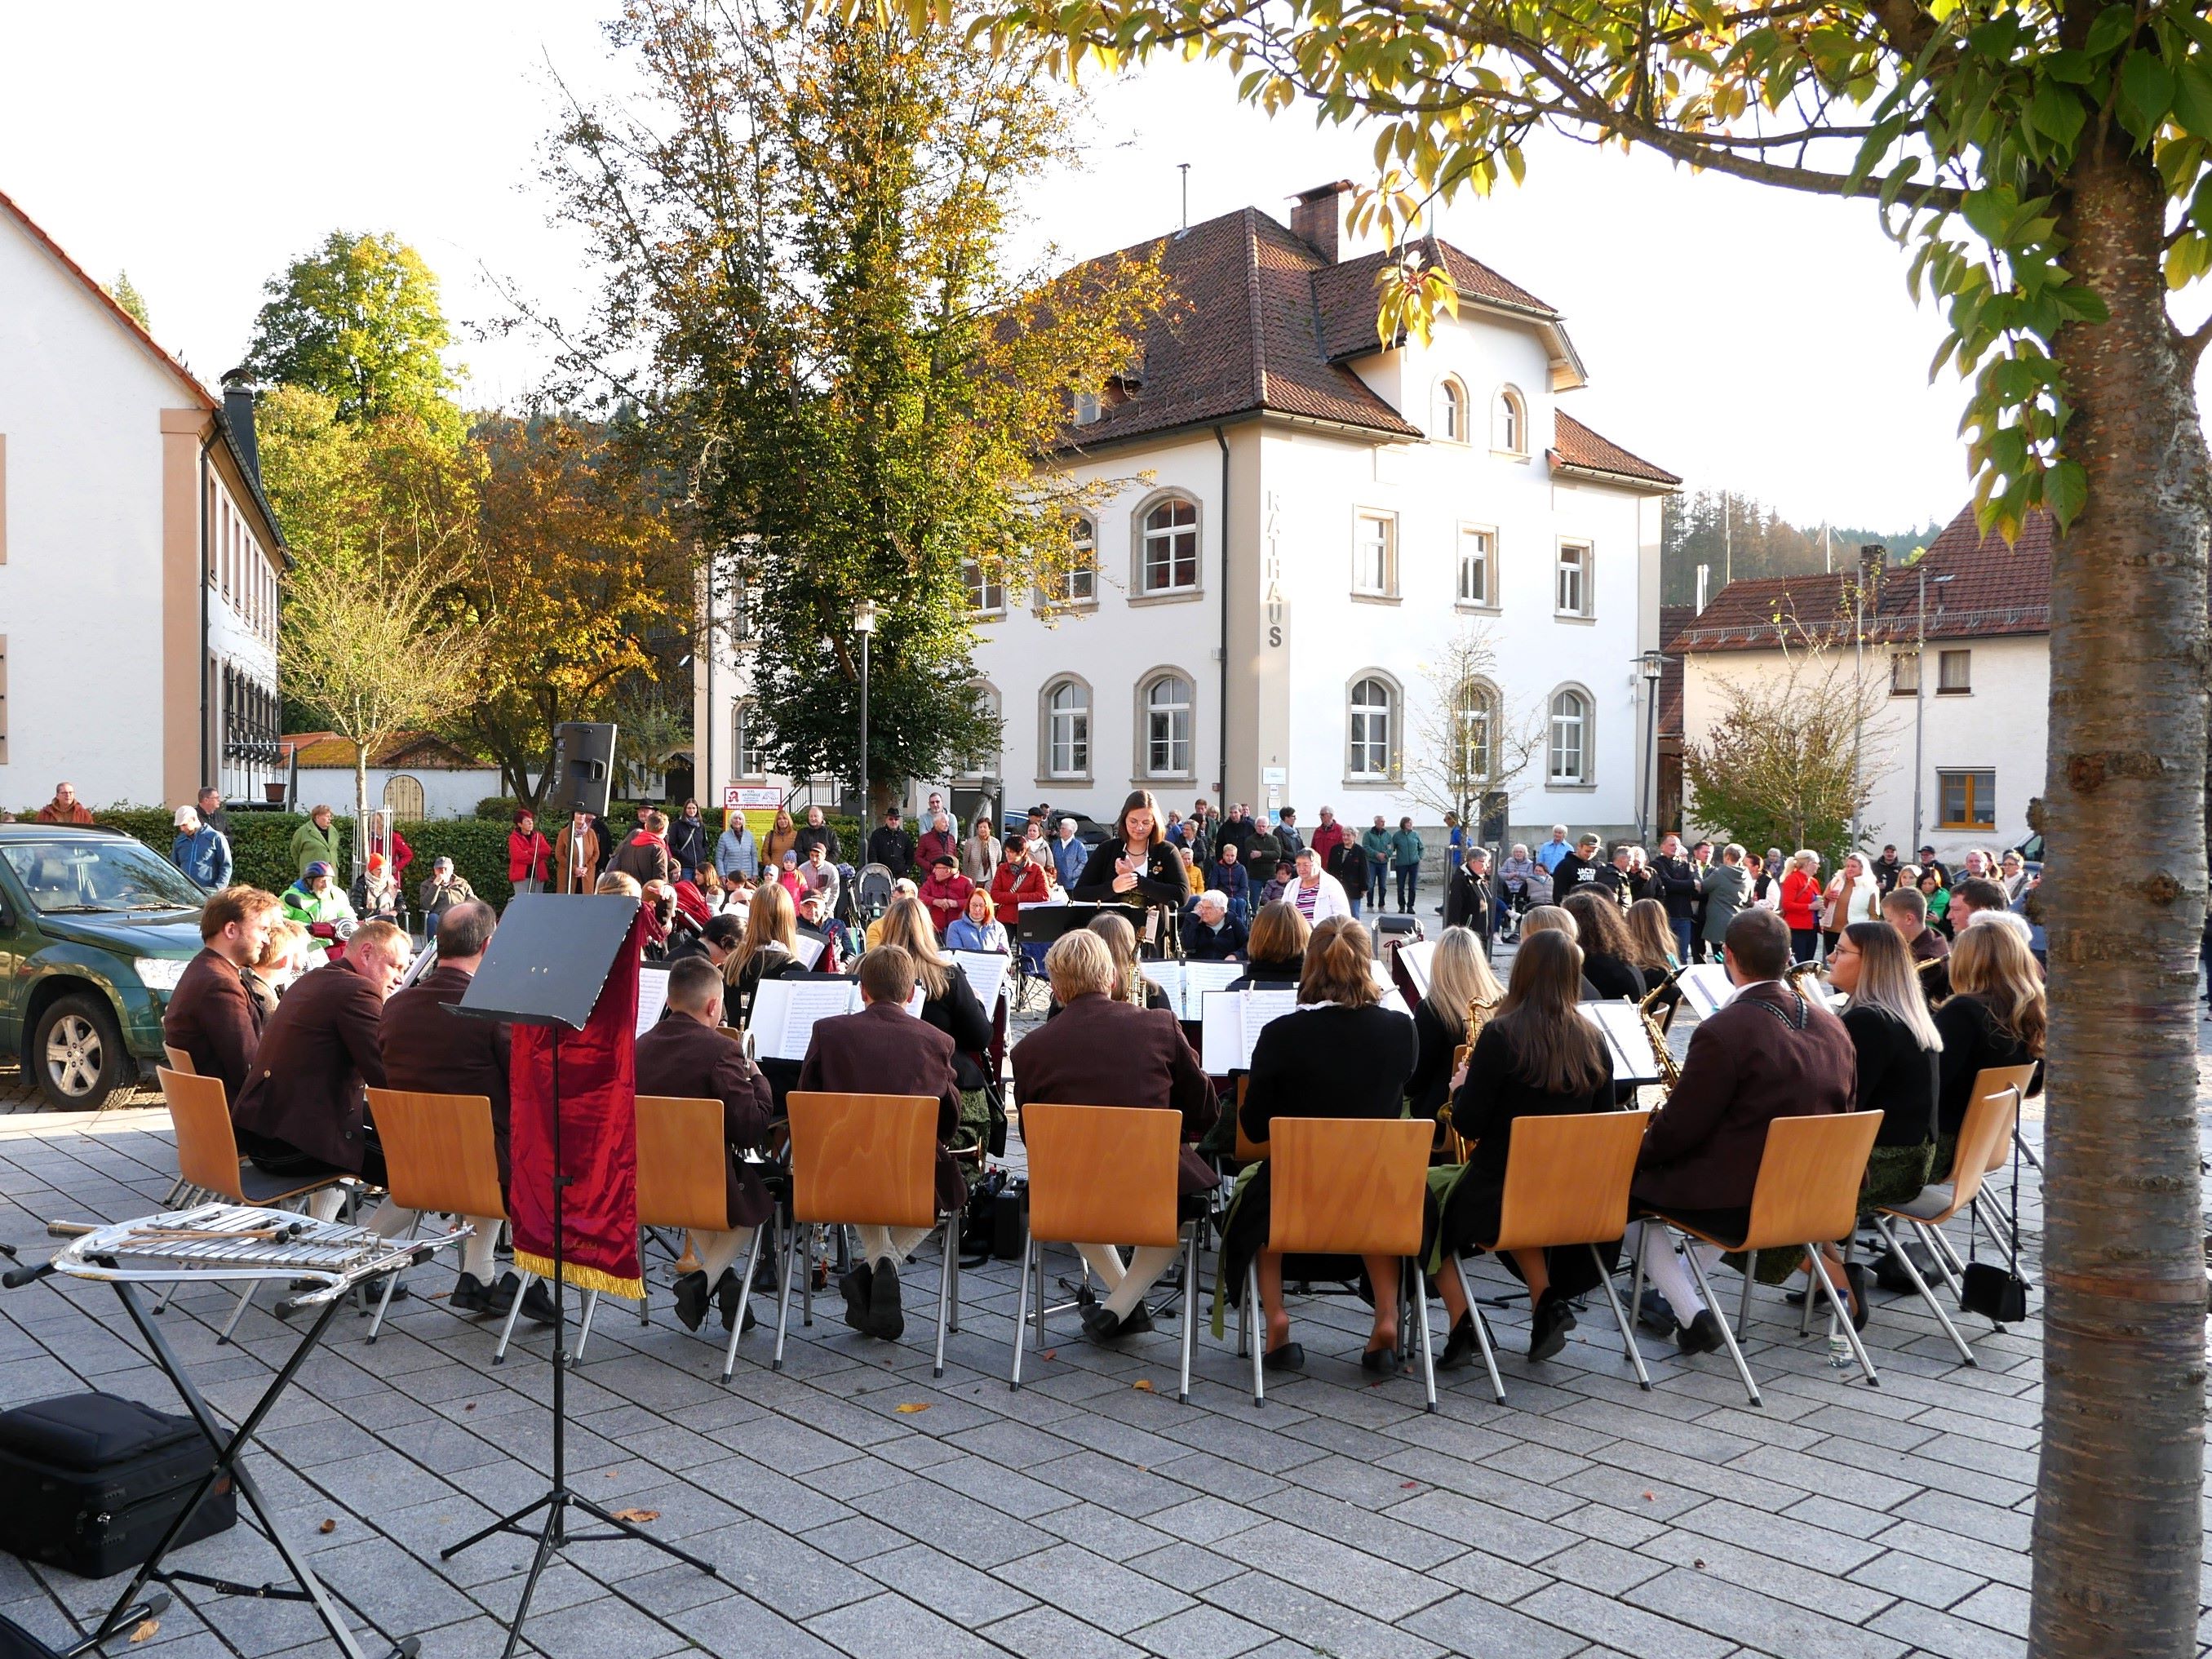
1740,336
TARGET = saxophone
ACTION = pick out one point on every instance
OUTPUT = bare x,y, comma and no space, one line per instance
1671,1072
1478,1016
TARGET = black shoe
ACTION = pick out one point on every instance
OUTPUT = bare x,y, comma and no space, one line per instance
1137,1321
1461,1346
371,1290
537,1301
691,1300
1547,1330
1382,1362
1654,1313
858,1286
1862,1310
886,1319
471,1295
1100,1326
1291,1356
1889,1272
727,1288
1701,1336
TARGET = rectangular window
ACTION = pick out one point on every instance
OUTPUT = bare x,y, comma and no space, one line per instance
1966,800
752,761
1169,560
1573,595
985,594
1475,547
1955,673
1904,674
1375,554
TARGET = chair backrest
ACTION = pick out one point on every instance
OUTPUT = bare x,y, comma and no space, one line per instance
1993,1080
1348,1186
682,1179
1985,1133
1810,1177
439,1154
1103,1174
1566,1178
1249,1150
869,1160
207,1149
179,1060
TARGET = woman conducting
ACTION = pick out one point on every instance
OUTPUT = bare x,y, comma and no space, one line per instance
1136,867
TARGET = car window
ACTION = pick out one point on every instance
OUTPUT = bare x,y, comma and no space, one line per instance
92,878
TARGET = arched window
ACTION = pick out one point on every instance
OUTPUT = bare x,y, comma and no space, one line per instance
1168,562
1067,729
1474,723
745,742
1081,585
1371,720
1510,422
986,593
1570,734
984,762
1451,411
1165,710
403,795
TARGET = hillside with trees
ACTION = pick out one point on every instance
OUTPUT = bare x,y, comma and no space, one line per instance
1740,535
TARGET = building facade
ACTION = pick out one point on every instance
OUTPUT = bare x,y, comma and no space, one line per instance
1308,533
1954,650
139,562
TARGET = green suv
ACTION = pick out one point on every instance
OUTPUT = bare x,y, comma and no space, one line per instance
95,929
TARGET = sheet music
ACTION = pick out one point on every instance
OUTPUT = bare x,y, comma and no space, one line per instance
810,950
1707,988
987,975
1381,975
785,1010
652,997
1233,1022
1625,1040
1415,960
1188,983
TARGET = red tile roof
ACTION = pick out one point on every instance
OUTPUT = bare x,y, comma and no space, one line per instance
420,750
1574,445
1977,587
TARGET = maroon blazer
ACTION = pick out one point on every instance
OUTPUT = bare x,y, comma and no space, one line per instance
1748,1065
882,1050
1098,1052
319,1055
681,1057
431,1050
212,1018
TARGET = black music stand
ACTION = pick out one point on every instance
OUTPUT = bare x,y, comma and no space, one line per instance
546,965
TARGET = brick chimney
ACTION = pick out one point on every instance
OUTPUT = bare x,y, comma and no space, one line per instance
1874,559
1318,217
238,399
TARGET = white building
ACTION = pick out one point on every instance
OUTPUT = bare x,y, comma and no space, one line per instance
138,559
415,775
1958,642
1306,517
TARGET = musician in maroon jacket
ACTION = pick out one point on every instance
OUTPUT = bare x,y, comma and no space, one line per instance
1770,1053
1096,1051
211,1015
884,1050
689,1056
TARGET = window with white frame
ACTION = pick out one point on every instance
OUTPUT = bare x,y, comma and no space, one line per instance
982,764
987,594
1369,720
745,742
1067,730
1375,553
1571,595
1509,422
1451,412
1570,745
1169,560
1474,719
1475,549
1167,728
1079,585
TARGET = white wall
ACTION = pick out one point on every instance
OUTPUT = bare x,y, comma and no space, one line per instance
446,794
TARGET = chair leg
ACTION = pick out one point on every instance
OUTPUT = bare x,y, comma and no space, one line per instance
237,1313
391,1284
793,1247
644,1282
1620,1318
1727,1336
1255,1322
745,1297
1643,1259
1842,1310
954,1325
944,1288
1039,1333
1482,1330
1421,1318
514,1312
1021,1317
584,1327
1189,1313
1926,1295
1946,1253
806,1274
1743,1309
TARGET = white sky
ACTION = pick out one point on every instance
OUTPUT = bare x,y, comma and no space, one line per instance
1737,336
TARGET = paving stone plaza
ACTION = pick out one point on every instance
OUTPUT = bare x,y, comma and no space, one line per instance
855,1506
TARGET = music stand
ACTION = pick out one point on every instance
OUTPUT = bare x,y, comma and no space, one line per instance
546,965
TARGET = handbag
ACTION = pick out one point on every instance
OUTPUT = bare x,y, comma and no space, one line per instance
1999,1294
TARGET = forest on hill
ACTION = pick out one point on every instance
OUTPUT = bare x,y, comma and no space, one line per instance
1738,536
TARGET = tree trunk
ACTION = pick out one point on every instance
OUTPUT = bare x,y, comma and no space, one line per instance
2118,1526
360,808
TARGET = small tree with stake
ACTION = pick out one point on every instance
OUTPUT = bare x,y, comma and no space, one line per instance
1468,742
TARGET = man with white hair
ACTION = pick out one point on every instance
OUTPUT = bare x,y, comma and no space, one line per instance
1553,850
1210,934
1069,854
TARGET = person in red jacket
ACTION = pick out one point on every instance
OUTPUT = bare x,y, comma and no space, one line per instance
1800,905
1328,835
529,855
1019,880
945,895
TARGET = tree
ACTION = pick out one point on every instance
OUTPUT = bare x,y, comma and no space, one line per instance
127,296
804,237
2046,162
358,319
1468,742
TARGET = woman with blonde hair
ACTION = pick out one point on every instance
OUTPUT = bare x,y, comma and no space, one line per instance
1458,975
284,959
1274,951
1801,903
1651,942
981,852
767,950
949,1003
1995,1016
782,837
1130,984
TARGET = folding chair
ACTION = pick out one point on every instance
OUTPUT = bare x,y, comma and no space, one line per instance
440,1158
1347,1186
207,1157
1566,1183
683,1181
180,1061
1808,1194
867,1160
1099,1172
1249,1150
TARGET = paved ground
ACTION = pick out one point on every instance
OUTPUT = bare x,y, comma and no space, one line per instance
855,1507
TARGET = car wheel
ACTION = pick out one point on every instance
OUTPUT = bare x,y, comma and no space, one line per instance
78,1053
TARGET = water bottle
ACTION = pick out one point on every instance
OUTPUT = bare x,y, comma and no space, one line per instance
1839,1347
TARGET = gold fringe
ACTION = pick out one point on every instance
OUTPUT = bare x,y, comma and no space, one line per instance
584,1279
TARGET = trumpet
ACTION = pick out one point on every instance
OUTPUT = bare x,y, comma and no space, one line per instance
1478,1016
1798,971
1671,1072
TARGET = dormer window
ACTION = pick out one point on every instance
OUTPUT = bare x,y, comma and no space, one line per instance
1509,424
1451,412
1089,406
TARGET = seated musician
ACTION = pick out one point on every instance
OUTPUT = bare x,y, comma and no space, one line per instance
1210,934
1995,1017
1131,984
1104,1051
1556,919
1905,908
713,942
949,1003
1608,953
428,1049
1770,1053
767,950
1536,1057
1274,955
1342,1054
814,923
305,1105
212,1015
1459,977
689,1056
884,1050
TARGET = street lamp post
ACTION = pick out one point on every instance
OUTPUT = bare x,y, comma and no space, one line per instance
1653,665
864,625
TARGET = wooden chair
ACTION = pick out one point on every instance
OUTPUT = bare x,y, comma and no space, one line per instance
1347,1186
683,1181
1099,1172
208,1158
866,1160
1566,1183
1808,1194
180,1061
440,1158
1249,1150
1984,1137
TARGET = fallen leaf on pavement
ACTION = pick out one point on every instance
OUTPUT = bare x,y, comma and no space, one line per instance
637,1517
328,1526
145,1631
910,1409
1143,1383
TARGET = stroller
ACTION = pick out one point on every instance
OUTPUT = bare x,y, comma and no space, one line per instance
872,892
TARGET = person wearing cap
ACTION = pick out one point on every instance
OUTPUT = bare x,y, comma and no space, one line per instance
891,844
945,895
442,890
376,893
1930,861
200,850
1210,934
317,905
